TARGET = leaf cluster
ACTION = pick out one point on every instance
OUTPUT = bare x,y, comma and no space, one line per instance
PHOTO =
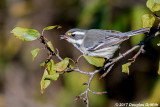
147,21
52,70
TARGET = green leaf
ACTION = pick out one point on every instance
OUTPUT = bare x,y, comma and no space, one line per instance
44,83
98,62
52,27
125,67
25,34
148,20
61,66
42,64
45,63
49,43
51,67
153,5
49,27
52,77
34,53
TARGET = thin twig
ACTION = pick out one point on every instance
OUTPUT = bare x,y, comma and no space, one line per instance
104,74
156,16
111,64
141,50
97,93
42,40
82,72
92,74
57,55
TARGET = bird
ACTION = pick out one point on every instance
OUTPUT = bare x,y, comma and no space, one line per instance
99,42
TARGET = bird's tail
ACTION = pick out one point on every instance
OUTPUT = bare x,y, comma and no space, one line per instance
135,32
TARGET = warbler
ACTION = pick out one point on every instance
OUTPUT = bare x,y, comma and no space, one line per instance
98,42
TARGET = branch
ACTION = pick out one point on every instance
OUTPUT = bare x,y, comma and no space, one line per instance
43,40
84,95
110,65
57,55
104,74
141,50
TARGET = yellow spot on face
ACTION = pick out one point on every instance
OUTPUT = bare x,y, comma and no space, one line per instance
69,34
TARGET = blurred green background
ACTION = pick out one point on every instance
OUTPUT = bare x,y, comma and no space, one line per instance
20,76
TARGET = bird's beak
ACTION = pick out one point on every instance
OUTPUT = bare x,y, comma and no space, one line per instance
63,37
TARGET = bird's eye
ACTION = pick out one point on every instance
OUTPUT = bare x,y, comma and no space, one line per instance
73,35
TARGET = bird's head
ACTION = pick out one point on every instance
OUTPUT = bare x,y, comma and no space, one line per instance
74,35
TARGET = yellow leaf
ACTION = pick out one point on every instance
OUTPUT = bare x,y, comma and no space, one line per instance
148,20
153,5
61,66
34,53
96,61
49,43
125,67
44,83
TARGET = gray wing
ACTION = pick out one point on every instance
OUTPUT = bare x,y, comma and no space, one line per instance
104,37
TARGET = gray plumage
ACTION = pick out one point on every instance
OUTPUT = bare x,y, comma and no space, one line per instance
99,43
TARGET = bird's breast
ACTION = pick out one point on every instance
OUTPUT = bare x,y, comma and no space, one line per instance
107,52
